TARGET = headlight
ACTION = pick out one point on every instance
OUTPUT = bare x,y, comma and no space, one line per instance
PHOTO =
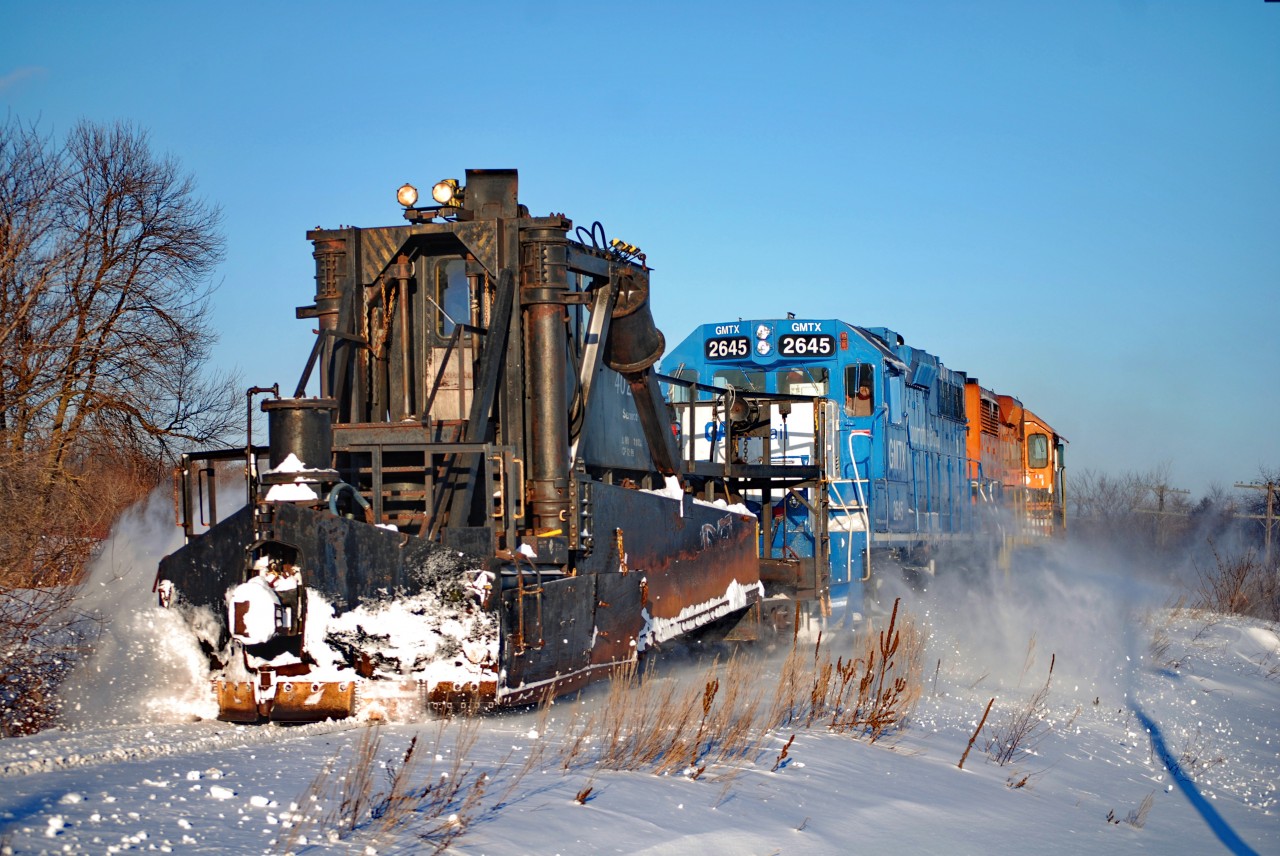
762,332
407,195
763,348
447,192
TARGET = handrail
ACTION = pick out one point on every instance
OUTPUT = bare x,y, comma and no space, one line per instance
866,517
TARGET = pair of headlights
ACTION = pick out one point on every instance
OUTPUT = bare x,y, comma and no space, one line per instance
447,192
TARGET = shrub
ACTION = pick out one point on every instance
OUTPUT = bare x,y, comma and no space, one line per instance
1239,584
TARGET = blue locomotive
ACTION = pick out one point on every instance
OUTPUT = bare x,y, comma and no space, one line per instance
876,436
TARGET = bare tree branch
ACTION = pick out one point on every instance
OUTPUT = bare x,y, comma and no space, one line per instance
106,262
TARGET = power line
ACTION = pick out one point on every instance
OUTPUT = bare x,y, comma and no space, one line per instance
1270,487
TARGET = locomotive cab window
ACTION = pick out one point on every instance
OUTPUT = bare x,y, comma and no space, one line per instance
894,385
1037,451
680,394
750,381
803,381
859,390
453,296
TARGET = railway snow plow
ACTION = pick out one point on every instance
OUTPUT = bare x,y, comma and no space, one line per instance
483,503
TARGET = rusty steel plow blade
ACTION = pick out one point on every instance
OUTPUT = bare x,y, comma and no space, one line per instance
293,701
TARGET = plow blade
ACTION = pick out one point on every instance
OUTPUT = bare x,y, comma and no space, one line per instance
293,701
310,701
236,701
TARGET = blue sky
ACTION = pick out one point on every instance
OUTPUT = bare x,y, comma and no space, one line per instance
1077,203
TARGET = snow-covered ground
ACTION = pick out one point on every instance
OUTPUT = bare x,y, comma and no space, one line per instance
128,774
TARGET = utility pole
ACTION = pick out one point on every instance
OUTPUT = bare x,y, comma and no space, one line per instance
1268,519
1160,490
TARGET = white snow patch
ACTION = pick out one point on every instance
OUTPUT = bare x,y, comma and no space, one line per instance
300,490
671,490
736,507
291,464
658,629
417,637
258,602
296,492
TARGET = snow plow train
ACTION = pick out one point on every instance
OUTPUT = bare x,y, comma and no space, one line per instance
485,500
493,497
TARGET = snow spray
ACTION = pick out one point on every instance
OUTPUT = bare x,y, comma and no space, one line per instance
144,663
1001,629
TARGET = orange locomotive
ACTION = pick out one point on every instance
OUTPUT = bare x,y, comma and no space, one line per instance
1015,464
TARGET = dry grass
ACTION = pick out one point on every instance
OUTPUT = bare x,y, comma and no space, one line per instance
1019,734
710,725
1198,754
870,694
437,799
667,725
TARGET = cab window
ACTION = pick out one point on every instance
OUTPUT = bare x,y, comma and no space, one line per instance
453,297
1037,451
803,381
751,381
677,393
859,390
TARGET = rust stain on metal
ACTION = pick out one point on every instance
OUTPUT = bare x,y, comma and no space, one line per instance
309,701
236,701
241,610
448,697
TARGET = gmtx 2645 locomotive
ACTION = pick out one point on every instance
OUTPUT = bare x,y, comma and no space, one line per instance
916,460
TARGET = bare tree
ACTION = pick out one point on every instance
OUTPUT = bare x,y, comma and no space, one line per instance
105,262
1135,512
106,258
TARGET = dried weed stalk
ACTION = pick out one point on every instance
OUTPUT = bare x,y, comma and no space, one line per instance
867,695
976,731
782,756
438,803
1025,727
1136,818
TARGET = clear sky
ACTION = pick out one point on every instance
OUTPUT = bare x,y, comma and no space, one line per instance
1077,203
